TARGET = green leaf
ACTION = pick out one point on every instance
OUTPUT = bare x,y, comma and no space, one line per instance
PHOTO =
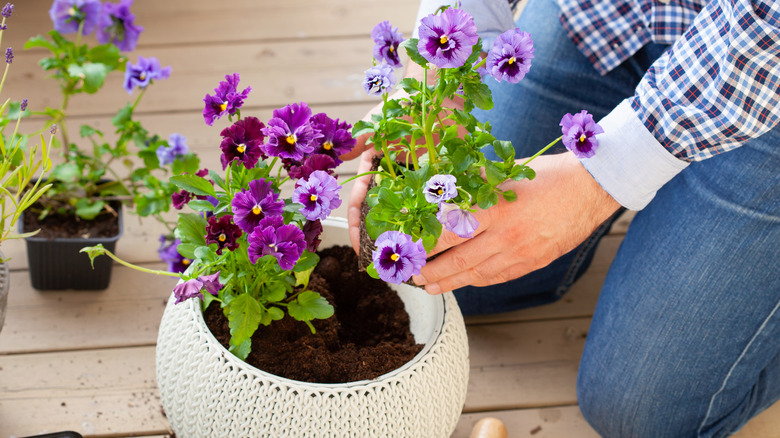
415,179
389,199
88,209
201,205
462,159
509,195
362,127
307,262
522,172
244,314
274,292
40,41
188,163
430,224
411,49
479,93
276,313
123,116
486,197
191,228
411,85
93,74
106,54
242,351
371,271
193,184
504,150
187,250
494,174
87,131
67,172
310,305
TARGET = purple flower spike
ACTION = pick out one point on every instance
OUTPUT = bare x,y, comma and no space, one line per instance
457,220
188,289
223,232
440,188
319,195
67,15
141,75
397,257
241,141
511,55
379,79
8,9
386,39
211,283
169,253
116,25
9,55
23,105
336,138
290,133
286,243
579,134
447,40
177,146
226,99
252,205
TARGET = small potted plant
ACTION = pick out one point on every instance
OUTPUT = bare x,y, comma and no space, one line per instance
21,169
97,173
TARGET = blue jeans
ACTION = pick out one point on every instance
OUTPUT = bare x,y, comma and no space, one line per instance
685,339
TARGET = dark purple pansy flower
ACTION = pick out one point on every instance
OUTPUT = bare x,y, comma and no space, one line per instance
311,232
252,205
180,199
67,15
457,220
223,232
310,164
319,195
579,134
211,283
336,138
177,146
226,99
241,141
386,39
169,253
141,75
187,289
397,257
290,133
447,40
379,79
8,9
116,24
286,243
511,55
440,188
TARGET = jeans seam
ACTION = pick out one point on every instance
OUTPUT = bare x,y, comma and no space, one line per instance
734,365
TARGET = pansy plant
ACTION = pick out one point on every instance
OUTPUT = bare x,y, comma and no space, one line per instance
433,175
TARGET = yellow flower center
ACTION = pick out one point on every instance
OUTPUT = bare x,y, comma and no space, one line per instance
222,237
223,106
443,39
186,262
291,139
241,148
440,192
142,76
313,198
582,138
511,60
327,145
256,209
391,49
394,257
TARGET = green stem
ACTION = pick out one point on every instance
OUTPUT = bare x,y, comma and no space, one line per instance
383,145
101,250
428,123
373,172
544,149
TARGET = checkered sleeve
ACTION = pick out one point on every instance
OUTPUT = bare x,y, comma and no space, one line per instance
719,84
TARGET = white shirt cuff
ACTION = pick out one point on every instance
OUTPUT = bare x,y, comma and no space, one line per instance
630,164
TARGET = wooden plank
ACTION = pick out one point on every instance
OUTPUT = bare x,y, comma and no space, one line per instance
764,425
95,392
556,422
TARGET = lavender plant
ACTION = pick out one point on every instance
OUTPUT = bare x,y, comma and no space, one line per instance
433,174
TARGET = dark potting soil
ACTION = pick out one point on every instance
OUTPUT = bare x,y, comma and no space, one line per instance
55,225
368,336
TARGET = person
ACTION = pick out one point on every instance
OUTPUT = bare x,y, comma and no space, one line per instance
685,338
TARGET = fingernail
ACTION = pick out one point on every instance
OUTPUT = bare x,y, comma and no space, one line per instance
419,280
433,289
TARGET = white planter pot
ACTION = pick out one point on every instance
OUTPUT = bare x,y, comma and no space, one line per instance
208,392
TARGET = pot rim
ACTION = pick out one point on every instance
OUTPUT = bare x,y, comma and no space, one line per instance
36,239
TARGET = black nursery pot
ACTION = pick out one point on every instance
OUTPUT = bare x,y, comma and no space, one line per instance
57,264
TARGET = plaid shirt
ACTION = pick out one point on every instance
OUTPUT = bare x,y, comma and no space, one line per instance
718,85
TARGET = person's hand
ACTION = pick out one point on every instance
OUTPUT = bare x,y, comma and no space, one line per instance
553,214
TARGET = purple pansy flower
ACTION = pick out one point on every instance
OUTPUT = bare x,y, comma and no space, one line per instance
140,75
379,79
187,289
252,205
579,134
440,188
310,164
169,253
336,138
180,199
116,25
211,283
311,233
290,133
241,141
67,15
457,220
319,195
8,9
226,99
386,39
511,55
177,146
223,232
446,40
286,243
397,257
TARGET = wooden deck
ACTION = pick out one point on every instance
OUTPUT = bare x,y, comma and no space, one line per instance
84,361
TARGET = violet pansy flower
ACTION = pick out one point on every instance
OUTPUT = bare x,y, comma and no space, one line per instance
226,99
141,75
457,220
310,164
447,40
68,15
223,232
397,257
252,205
177,146
440,188
285,243
319,195
241,141
116,24
187,289
311,233
511,55
379,79
169,253
336,137
290,133
579,134
211,283
386,40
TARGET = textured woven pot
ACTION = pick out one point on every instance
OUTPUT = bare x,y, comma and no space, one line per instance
208,392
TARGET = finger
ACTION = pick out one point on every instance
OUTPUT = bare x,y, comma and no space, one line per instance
448,239
464,279
458,259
